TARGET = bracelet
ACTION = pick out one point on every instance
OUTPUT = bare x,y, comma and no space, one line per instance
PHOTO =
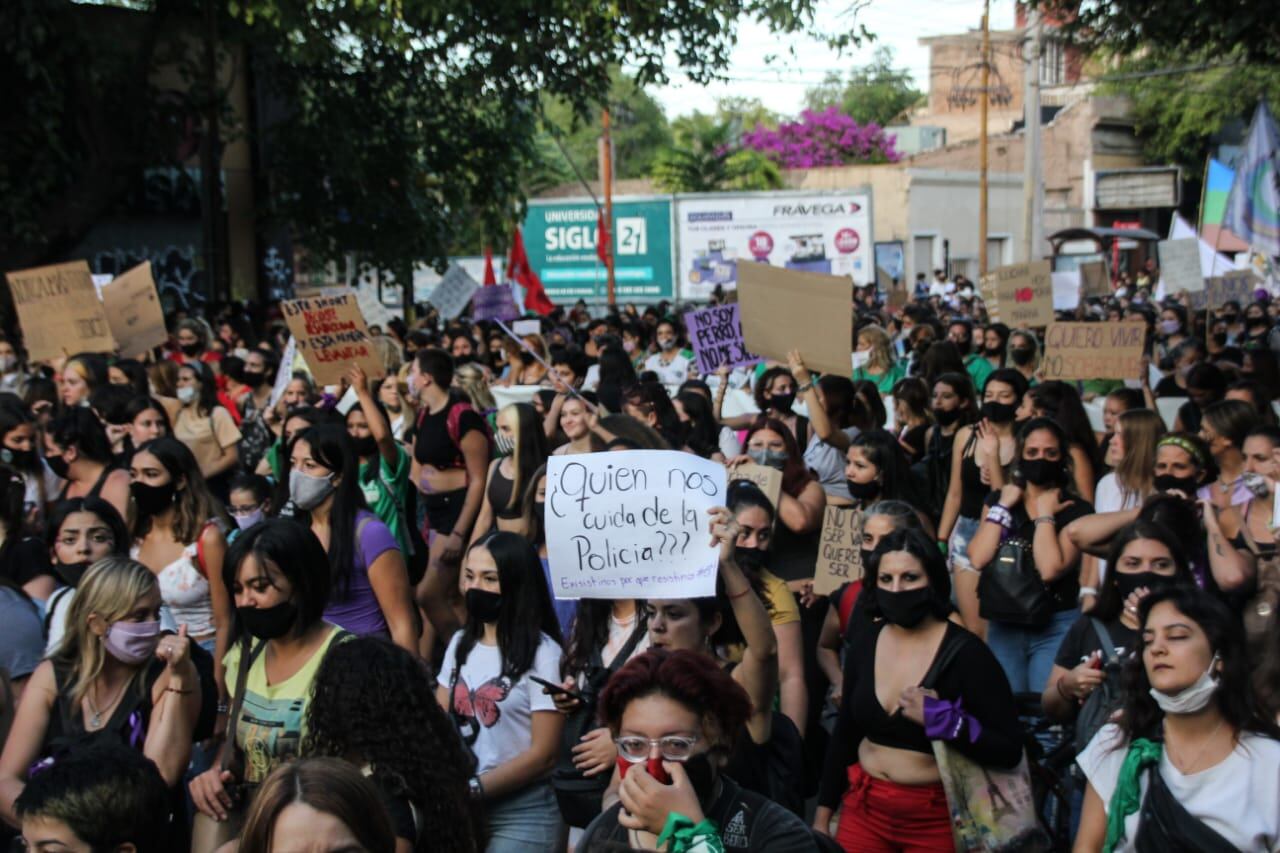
1000,515
1045,518
738,595
223,708
805,387
1087,590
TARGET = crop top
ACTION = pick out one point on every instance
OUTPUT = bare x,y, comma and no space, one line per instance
974,676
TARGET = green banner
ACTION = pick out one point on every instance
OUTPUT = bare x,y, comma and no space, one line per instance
560,237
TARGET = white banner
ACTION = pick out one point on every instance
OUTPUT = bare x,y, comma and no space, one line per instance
632,524
453,292
812,232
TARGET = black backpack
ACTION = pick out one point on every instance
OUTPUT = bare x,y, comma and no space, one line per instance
1102,702
580,797
1010,589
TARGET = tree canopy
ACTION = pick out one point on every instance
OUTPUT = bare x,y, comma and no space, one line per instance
397,127
875,93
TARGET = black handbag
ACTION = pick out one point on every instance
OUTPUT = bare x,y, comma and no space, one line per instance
1011,590
1106,699
580,797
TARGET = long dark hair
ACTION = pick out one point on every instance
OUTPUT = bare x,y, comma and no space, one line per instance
795,476
841,402
331,447
916,543
526,613
962,385
1109,599
652,397
195,506
1061,404
1068,484
703,433
530,452
295,551
373,703
590,632
896,480
1140,715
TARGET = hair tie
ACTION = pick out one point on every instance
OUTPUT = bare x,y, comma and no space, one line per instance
1185,444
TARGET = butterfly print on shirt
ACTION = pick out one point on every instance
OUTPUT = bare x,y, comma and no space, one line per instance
481,703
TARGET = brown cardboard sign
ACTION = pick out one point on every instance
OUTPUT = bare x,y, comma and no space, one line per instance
134,313
1094,280
59,311
785,309
1094,350
839,550
1023,294
768,479
1235,286
331,335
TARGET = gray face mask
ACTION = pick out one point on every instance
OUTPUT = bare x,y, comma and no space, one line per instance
504,444
769,458
308,492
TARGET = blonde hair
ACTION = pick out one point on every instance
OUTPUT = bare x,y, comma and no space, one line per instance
881,346
111,588
388,353
471,380
1140,430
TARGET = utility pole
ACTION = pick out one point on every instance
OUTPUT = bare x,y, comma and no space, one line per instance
982,138
1032,177
606,170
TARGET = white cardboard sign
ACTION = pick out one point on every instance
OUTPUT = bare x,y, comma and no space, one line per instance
632,524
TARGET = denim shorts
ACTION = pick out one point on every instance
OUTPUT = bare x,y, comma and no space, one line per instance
958,545
527,821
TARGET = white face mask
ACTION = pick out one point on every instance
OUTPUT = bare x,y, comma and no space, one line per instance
860,359
186,396
1190,699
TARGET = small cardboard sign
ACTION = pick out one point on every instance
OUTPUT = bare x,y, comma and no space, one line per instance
59,311
1094,280
331,334
716,335
786,309
453,292
1235,286
527,327
494,302
1094,350
839,550
1180,265
133,311
1023,294
768,479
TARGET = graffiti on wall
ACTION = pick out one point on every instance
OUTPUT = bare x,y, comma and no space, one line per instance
178,271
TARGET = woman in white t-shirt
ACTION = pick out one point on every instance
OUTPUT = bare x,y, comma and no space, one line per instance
1131,454
511,726
1191,763
670,362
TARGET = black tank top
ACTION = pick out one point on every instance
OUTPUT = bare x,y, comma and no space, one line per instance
500,486
972,490
94,492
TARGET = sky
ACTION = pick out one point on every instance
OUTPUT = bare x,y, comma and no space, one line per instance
780,85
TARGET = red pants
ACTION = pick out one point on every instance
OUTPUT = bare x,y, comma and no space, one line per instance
884,817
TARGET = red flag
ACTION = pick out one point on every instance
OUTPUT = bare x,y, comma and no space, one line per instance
604,240
519,271
489,277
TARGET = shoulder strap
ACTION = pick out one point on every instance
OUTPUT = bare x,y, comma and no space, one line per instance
54,601
637,633
226,755
200,564
1104,637
948,652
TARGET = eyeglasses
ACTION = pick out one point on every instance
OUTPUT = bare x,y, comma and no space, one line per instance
672,747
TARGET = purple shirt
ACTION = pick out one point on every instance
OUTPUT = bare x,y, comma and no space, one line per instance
359,612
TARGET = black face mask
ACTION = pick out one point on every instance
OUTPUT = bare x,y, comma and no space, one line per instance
1042,472
999,413
922,346
59,465
783,402
366,446
24,460
1169,483
863,491
1256,322
1127,584
946,417
1022,356
70,573
905,609
994,351
866,554
965,348
153,500
526,357
751,559
253,378
268,623
190,350
702,776
1230,318
1220,338
484,605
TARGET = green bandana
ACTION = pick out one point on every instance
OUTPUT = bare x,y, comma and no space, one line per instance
1127,798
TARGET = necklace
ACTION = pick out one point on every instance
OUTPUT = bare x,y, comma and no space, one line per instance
95,720
1186,769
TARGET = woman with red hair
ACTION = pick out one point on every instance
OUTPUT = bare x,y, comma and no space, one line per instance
675,716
